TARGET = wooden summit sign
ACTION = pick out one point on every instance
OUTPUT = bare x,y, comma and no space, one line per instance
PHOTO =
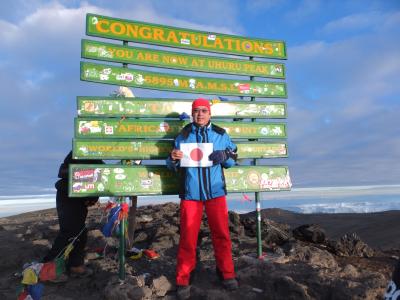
172,108
143,128
174,60
140,32
180,83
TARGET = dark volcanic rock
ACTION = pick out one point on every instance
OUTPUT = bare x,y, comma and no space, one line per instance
131,289
161,286
313,256
271,232
350,245
235,225
310,233
300,266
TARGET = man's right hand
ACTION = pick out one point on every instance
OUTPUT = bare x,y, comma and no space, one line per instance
176,154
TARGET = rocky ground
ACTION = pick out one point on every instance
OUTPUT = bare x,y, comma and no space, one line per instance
302,260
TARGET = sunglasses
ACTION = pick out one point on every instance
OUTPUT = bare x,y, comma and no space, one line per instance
203,110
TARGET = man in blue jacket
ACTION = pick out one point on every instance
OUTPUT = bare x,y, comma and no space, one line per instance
203,187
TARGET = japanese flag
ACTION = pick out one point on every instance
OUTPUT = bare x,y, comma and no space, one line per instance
196,155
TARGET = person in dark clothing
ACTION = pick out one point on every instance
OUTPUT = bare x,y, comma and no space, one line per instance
72,213
393,289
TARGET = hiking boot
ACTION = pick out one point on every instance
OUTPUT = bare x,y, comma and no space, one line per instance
230,284
183,292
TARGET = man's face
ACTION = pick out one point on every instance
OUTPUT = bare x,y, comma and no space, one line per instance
201,115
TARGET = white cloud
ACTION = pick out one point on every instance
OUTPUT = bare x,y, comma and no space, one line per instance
7,31
354,74
353,22
39,80
367,21
357,89
48,36
352,82
371,20
308,51
207,15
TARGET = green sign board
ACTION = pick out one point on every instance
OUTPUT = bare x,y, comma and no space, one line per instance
122,180
174,60
131,128
140,32
144,149
180,83
171,108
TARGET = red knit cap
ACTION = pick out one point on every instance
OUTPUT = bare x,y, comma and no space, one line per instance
201,102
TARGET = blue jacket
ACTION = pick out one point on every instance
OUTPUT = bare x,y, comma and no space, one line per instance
203,183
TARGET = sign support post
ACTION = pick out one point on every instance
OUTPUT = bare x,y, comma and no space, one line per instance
257,196
258,212
122,237
121,251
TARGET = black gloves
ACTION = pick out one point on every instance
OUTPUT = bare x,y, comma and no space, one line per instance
220,156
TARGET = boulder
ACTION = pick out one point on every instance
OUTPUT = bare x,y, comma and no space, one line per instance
312,233
161,286
350,245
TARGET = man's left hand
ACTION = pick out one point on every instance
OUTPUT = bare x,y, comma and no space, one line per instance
218,156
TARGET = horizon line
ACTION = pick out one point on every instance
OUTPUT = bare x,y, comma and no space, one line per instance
363,189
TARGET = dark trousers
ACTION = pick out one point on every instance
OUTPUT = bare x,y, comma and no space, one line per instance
72,213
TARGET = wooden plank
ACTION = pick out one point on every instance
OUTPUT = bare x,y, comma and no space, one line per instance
174,60
122,180
132,128
143,149
172,108
180,83
121,149
140,32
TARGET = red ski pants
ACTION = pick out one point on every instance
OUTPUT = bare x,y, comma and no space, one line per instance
191,213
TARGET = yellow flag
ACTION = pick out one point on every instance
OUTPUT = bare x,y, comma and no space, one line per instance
29,277
68,250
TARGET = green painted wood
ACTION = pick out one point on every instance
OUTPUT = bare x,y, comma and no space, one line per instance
174,60
140,32
122,180
121,149
144,149
171,108
180,83
131,128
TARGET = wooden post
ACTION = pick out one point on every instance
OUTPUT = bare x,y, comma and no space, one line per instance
257,197
122,237
121,250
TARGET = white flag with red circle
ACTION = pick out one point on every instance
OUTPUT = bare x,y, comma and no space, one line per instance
196,154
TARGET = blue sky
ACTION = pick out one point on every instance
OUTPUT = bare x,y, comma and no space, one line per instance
342,74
